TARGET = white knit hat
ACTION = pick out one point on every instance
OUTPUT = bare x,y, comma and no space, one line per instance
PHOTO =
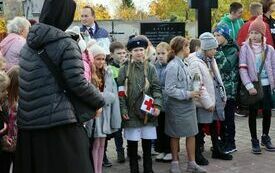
96,50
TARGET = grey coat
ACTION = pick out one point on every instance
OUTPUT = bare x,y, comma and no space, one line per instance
181,119
110,120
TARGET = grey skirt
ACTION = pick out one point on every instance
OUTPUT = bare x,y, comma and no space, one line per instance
181,119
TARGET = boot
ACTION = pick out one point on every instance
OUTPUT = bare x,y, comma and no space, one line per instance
133,159
106,161
266,141
147,159
120,157
200,159
218,153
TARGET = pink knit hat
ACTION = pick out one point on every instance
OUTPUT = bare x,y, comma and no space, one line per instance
258,25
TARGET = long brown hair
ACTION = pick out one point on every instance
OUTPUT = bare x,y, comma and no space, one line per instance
13,89
177,44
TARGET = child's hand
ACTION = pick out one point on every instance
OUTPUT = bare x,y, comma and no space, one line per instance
156,112
98,113
252,92
125,117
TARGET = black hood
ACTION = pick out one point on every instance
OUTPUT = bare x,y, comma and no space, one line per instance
58,13
41,34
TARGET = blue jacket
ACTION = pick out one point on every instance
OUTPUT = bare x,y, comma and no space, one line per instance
99,32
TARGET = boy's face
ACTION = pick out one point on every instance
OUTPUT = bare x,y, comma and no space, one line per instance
138,54
120,55
237,14
220,38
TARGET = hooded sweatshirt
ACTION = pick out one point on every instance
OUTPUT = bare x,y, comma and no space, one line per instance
10,48
234,25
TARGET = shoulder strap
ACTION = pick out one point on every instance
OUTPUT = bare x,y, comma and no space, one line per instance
263,61
56,72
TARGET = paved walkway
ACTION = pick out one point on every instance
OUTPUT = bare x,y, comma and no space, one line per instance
243,162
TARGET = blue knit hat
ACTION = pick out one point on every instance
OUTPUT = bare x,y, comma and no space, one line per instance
223,29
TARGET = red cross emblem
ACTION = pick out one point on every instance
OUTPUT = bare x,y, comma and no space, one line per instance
149,104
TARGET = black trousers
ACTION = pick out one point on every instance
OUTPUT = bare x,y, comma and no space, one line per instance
228,125
163,141
213,133
6,159
266,105
133,156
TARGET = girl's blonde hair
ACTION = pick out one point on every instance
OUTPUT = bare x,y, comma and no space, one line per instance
4,80
145,70
164,45
13,88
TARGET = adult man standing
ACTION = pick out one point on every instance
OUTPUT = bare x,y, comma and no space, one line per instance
233,19
91,29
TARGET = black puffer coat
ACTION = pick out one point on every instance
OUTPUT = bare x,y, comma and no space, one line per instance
42,104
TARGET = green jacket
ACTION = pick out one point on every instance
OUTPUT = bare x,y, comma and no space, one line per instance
135,86
234,25
227,60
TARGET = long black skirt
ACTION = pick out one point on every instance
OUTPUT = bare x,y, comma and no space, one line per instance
62,149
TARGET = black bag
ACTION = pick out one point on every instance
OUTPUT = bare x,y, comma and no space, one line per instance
82,111
137,105
244,96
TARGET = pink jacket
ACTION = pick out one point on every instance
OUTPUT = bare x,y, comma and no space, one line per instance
87,62
10,47
247,67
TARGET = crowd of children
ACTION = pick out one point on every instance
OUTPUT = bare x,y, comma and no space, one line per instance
177,89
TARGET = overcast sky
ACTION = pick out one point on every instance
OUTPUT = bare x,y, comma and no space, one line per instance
111,4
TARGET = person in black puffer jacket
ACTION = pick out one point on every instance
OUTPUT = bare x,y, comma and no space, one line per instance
50,140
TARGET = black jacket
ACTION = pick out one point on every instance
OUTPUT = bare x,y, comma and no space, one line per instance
42,104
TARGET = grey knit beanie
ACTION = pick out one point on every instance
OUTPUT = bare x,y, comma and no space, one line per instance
208,41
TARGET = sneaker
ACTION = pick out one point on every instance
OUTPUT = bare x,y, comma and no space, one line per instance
120,157
153,152
106,163
194,168
256,149
230,149
241,112
266,141
175,168
167,158
160,157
